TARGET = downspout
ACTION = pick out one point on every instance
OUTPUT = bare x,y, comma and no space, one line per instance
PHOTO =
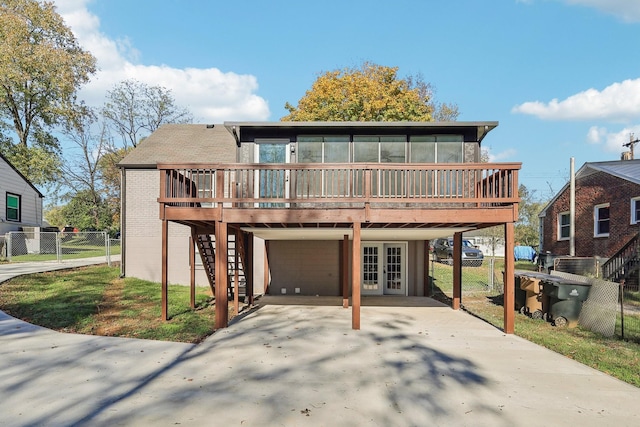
123,213
572,210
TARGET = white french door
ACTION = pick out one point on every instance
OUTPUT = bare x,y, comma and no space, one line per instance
383,269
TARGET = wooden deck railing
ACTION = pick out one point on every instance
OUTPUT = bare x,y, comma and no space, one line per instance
323,185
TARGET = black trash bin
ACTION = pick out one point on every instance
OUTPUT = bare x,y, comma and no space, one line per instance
565,298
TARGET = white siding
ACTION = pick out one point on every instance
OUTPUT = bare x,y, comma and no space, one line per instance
30,203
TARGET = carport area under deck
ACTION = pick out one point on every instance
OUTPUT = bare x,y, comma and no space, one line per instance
351,237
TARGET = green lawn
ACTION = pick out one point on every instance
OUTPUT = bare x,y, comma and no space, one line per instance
95,300
71,249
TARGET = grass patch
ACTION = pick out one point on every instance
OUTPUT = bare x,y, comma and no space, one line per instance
68,252
95,300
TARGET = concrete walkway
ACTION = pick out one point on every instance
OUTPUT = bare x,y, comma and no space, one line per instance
302,365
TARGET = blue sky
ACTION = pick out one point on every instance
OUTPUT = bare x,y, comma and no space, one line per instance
562,77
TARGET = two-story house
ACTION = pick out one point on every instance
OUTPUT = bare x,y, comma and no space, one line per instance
310,208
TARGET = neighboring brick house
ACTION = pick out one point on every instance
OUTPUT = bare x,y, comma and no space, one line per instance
607,211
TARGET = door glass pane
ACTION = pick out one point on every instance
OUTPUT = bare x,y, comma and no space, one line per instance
394,268
272,182
370,268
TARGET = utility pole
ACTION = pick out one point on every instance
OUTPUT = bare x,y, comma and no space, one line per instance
632,142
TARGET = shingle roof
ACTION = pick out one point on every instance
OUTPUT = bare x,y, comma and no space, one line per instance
183,143
625,169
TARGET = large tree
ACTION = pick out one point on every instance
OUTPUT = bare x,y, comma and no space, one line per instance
527,227
42,67
369,92
134,109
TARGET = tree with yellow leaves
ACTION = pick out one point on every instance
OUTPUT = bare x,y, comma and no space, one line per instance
42,67
369,92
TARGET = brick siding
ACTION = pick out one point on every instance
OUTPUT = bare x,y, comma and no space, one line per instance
592,190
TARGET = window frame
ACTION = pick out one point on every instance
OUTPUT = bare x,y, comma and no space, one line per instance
564,226
635,210
18,197
597,220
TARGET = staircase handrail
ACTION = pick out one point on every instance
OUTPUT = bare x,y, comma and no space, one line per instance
621,259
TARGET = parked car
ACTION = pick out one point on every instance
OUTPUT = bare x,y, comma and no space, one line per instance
443,251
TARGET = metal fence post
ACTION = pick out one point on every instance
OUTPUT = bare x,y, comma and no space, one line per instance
107,247
9,238
58,247
490,273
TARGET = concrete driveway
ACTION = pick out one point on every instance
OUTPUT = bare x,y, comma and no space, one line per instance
303,365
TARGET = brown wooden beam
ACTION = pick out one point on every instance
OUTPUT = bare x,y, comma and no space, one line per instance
249,267
222,277
165,265
355,277
509,279
236,274
266,268
457,271
344,265
192,265
427,278
440,216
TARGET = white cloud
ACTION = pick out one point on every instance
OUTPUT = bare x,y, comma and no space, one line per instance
618,102
211,95
612,141
627,10
596,134
507,154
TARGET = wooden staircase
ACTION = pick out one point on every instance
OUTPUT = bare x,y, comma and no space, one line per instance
625,265
236,255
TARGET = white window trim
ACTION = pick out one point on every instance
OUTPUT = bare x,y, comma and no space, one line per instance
559,236
596,208
634,204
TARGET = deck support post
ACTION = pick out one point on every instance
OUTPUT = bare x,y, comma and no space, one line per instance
355,277
457,270
165,265
192,268
222,276
236,274
345,271
249,267
509,279
427,278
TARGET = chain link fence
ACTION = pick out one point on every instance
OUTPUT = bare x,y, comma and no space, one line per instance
20,246
604,311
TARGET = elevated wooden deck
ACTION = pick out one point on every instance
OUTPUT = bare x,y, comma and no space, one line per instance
376,195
